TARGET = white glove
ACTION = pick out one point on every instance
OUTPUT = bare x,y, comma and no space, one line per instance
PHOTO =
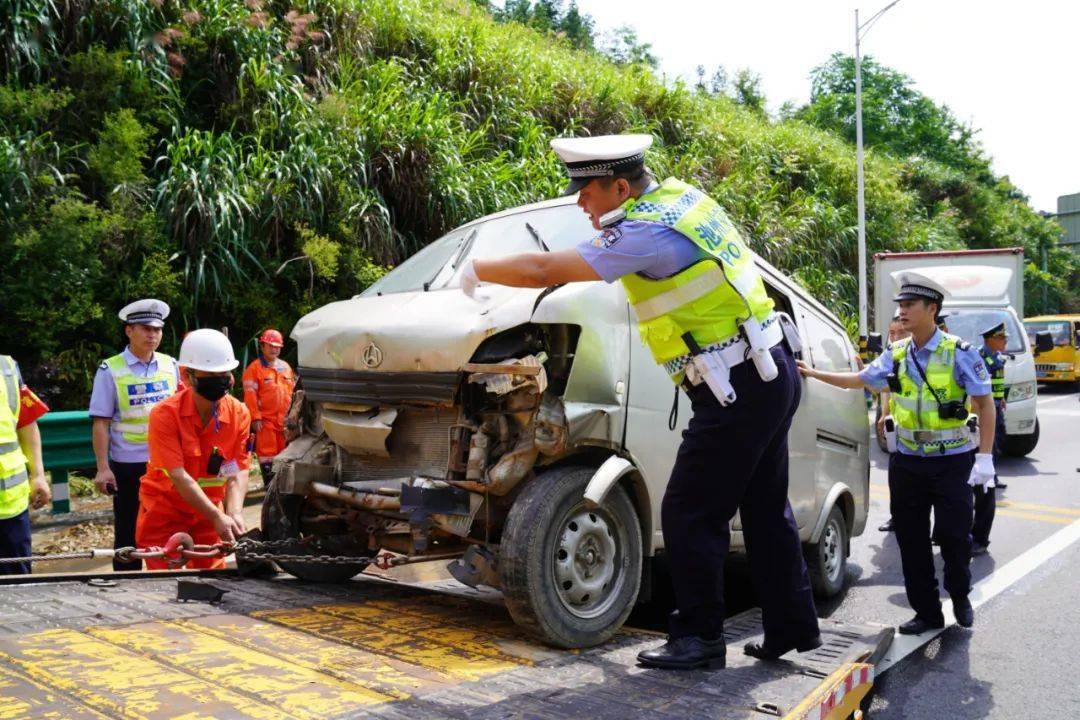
982,473
469,280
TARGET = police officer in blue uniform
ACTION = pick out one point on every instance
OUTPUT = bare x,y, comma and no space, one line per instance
934,466
734,453
993,355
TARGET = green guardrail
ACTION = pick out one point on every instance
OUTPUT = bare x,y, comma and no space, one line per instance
65,445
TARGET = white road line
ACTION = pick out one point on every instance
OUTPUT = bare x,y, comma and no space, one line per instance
989,587
1059,412
1045,399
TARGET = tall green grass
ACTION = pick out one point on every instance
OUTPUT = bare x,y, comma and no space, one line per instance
205,145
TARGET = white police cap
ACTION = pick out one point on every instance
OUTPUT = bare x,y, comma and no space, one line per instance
587,158
916,286
145,312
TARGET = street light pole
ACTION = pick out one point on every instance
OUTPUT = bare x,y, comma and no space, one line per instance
861,191
861,30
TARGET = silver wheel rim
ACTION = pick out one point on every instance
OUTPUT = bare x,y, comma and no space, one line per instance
834,559
588,561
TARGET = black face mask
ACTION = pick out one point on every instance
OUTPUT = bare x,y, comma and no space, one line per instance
213,387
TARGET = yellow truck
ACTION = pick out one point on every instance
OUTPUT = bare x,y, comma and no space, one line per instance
1062,363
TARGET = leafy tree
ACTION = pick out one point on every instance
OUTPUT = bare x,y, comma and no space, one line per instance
896,116
624,48
577,26
746,91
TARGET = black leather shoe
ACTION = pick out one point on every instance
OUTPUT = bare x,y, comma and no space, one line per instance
887,526
978,548
999,484
765,651
965,614
686,653
918,625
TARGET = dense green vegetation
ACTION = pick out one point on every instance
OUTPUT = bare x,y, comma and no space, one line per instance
249,160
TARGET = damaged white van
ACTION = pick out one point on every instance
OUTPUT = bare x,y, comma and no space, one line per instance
527,434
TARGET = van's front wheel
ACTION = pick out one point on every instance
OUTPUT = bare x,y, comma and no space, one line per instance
570,573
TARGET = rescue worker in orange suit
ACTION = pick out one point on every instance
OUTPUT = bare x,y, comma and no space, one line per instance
197,475
268,389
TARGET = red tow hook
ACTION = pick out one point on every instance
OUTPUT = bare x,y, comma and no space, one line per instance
175,547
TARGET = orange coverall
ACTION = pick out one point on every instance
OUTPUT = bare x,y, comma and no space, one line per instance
268,389
177,438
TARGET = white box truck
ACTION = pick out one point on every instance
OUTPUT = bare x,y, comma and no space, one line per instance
984,286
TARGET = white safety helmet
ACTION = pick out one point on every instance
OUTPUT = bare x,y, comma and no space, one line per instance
207,350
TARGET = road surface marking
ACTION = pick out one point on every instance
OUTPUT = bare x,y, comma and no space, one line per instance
1021,510
1074,512
1043,399
986,589
1060,412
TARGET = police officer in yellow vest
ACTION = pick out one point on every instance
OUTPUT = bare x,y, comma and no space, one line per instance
22,475
992,353
126,387
703,311
938,454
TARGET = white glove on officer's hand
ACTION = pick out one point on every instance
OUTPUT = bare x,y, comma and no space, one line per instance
982,473
469,280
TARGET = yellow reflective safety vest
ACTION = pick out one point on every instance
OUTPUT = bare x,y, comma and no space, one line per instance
709,298
136,395
995,366
14,488
915,409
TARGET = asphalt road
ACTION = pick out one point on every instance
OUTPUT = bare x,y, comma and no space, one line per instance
1020,658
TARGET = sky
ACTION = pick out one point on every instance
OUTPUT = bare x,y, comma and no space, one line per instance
1010,69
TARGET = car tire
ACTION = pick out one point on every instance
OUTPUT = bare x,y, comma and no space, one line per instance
570,573
826,560
1021,445
279,522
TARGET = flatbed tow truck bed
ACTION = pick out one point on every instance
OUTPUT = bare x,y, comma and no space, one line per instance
370,648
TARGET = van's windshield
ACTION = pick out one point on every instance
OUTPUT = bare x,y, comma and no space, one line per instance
970,324
439,264
1058,329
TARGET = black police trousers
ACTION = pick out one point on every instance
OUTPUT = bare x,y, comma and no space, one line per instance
917,484
15,542
126,508
736,458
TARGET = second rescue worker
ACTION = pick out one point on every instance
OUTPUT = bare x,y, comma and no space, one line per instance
268,389
198,470
703,311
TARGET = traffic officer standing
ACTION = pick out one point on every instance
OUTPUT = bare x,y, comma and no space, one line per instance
22,474
703,311
992,353
931,374
896,332
198,471
268,388
126,388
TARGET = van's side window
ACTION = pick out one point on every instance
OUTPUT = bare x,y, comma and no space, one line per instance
828,346
783,303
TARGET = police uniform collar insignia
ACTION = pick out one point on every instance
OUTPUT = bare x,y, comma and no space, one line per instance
602,156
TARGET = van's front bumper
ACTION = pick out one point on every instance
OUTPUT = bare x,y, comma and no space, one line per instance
1020,417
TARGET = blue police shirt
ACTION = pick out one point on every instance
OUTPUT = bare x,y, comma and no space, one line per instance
103,404
969,370
632,246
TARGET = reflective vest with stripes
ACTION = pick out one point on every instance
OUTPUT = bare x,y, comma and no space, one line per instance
136,395
995,365
14,488
915,407
710,297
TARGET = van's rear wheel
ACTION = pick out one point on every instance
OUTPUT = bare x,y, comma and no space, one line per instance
826,560
570,573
